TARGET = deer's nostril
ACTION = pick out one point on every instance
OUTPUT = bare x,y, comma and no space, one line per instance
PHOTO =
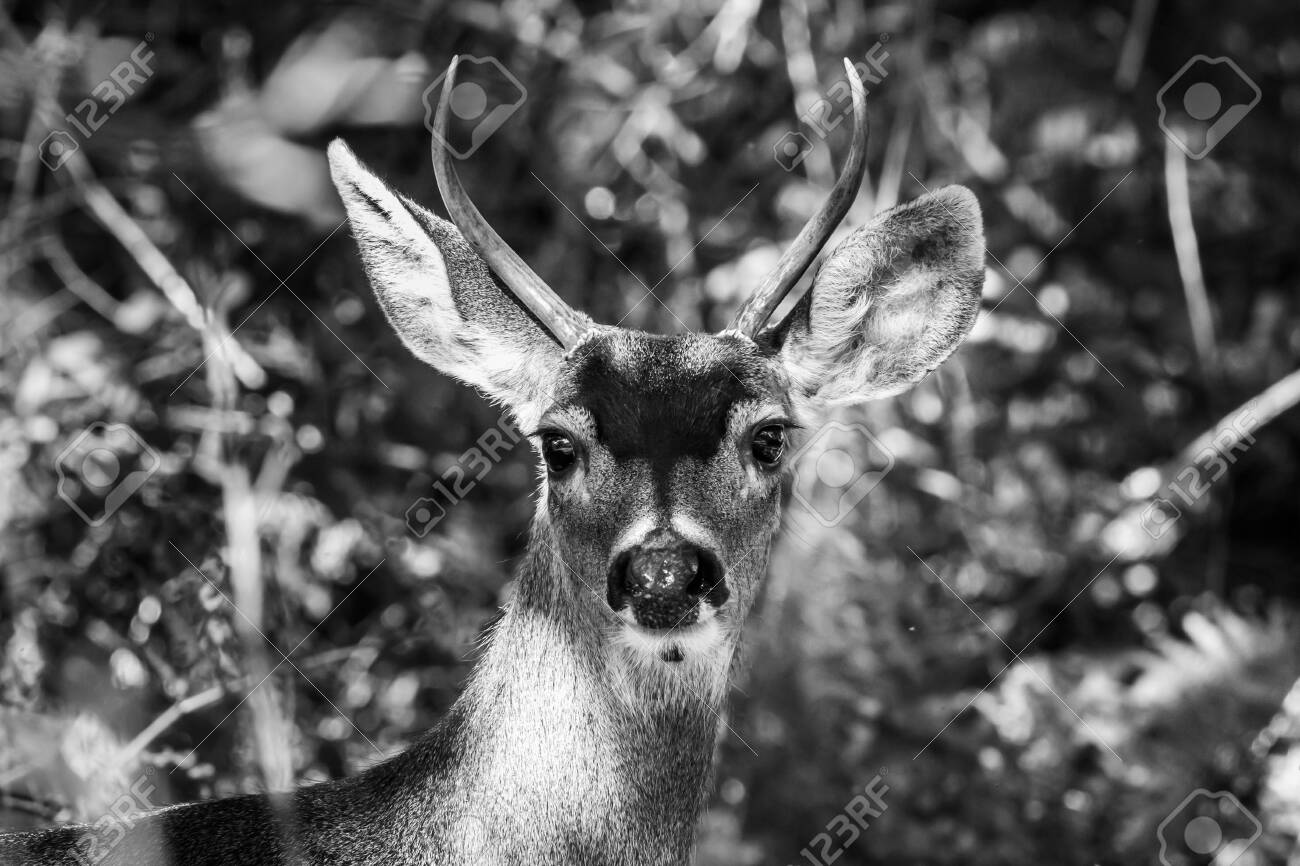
662,570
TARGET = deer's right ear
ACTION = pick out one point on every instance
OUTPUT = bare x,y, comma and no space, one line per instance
440,296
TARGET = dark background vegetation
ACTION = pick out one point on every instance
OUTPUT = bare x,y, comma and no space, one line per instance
1136,669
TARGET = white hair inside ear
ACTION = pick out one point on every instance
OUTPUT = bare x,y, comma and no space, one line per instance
893,300
440,297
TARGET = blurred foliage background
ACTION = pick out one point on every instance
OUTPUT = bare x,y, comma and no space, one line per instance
1041,658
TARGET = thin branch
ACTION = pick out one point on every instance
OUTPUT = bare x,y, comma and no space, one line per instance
964,132
43,810
895,162
1135,44
207,698
33,319
244,555
49,45
1188,253
1270,403
165,720
91,293
177,711
113,217
1282,724
27,166
894,165
802,69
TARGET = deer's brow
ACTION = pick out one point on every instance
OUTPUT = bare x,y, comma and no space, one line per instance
660,417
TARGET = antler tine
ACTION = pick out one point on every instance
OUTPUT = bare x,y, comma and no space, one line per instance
557,317
755,312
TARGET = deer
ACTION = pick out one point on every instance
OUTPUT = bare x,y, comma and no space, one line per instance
587,729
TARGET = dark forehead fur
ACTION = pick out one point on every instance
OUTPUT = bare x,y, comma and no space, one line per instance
658,397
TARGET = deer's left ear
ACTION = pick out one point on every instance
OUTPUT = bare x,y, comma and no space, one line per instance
890,303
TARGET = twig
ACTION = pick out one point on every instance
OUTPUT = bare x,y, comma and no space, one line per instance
728,33
44,810
90,292
894,165
1270,403
47,46
207,698
963,131
1128,535
1135,44
802,70
36,317
1284,722
184,707
244,555
734,27
1188,253
165,720
114,218
276,465
895,162
27,166
14,774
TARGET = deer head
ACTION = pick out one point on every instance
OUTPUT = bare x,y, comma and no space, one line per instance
661,456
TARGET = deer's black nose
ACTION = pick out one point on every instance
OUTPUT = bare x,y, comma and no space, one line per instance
663,581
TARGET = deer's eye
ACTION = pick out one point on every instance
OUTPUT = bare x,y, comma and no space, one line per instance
558,451
768,445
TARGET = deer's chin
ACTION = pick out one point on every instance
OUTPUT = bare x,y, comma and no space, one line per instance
704,637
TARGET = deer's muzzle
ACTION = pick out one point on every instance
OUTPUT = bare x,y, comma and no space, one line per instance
663,580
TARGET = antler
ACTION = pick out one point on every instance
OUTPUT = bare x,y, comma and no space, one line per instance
755,312
562,321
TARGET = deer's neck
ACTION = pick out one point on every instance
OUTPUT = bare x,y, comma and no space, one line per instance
569,745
